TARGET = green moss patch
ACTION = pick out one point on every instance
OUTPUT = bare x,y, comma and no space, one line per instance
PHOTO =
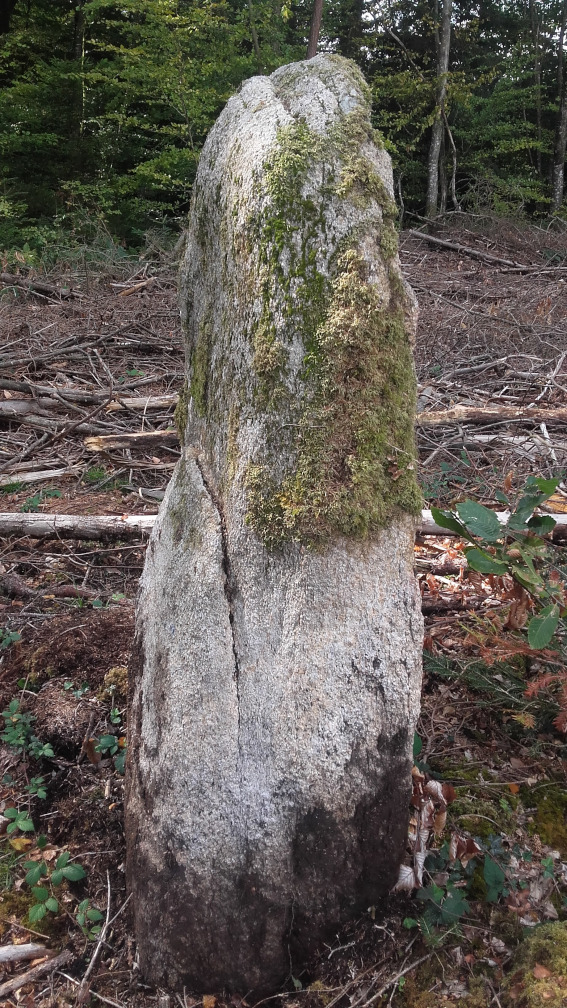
355,441
550,816
539,975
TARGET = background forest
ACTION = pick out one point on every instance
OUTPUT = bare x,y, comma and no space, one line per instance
105,105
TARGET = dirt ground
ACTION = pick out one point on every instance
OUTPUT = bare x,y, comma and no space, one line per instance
492,333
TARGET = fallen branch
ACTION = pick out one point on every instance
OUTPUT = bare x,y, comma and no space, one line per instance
491,414
45,406
31,975
36,286
15,587
40,526
15,953
36,477
143,403
142,439
467,250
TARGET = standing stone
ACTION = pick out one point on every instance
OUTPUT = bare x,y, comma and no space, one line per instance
279,629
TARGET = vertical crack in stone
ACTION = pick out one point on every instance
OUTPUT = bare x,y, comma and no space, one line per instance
229,578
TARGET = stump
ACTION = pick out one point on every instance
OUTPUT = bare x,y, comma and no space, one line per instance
277,661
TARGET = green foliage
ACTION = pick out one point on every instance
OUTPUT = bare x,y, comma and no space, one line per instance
8,637
515,548
19,820
38,871
87,918
18,733
32,503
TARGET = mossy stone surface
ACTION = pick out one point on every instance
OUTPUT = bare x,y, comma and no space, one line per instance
278,650
304,329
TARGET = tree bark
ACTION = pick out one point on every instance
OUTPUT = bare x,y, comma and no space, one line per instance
7,8
315,30
432,196
560,147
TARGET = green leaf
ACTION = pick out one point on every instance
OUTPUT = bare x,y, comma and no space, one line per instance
410,922
542,627
480,521
62,860
446,520
10,813
484,563
36,912
94,915
25,825
35,873
52,904
547,486
74,872
494,877
542,524
40,893
417,745
57,877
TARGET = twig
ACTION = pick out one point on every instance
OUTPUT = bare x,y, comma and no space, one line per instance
30,976
393,980
105,1000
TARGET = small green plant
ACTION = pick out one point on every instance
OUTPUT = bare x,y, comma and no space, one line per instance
18,821
516,548
18,733
31,504
111,745
78,691
95,474
87,918
8,637
9,488
36,787
37,871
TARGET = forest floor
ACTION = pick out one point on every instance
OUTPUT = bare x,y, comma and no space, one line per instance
95,351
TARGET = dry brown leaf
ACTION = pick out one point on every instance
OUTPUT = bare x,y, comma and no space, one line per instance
440,821
541,972
209,1001
406,882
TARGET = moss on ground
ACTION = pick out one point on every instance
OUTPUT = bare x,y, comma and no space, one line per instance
550,817
538,978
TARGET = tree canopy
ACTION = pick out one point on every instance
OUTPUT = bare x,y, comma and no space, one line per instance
104,106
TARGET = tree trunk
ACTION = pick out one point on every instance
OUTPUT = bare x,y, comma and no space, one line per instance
7,8
315,29
444,48
560,146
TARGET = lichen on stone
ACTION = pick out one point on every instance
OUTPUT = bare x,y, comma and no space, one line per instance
200,369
